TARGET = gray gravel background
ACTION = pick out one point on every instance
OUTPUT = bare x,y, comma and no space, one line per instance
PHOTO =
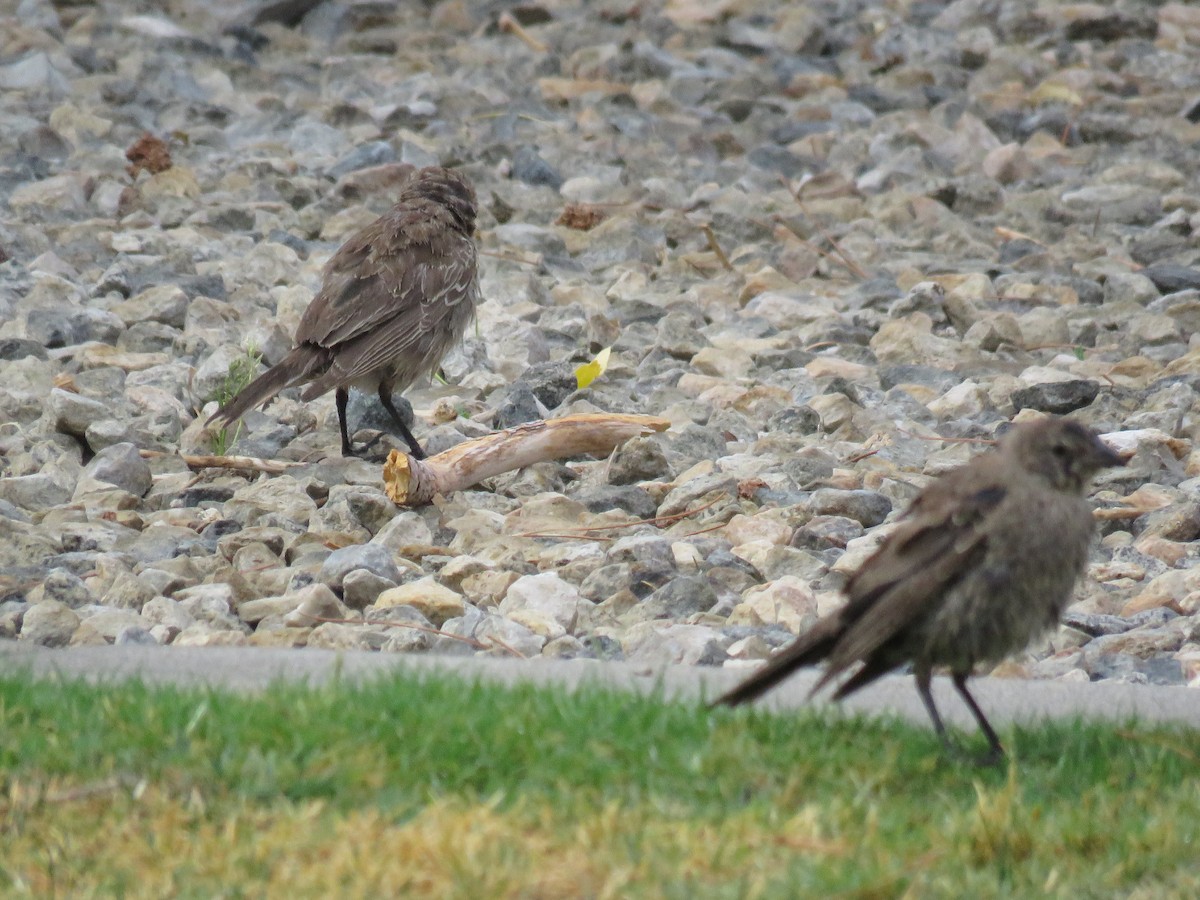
828,241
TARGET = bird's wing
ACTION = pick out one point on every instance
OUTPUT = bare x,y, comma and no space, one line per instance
389,270
917,565
944,533
437,290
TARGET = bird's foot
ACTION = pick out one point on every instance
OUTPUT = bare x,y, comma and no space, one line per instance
369,452
962,755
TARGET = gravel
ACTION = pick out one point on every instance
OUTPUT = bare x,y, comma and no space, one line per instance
834,244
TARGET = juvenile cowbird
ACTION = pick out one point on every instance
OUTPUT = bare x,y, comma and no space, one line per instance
985,561
393,300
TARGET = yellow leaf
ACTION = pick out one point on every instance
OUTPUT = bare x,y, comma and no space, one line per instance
1055,92
589,372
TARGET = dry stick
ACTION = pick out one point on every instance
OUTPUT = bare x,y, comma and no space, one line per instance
850,264
1118,513
946,440
1010,235
706,530
656,521
859,457
841,259
413,482
205,461
566,537
1053,346
508,24
715,247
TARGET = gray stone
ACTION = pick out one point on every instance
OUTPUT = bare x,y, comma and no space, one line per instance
134,634
63,586
550,382
73,413
677,599
518,407
121,465
316,602
825,532
1058,397
633,500
647,548
164,303
49,624
506,636
372,557
107,622
343,636
868,508
657,644
544,603
639,459
360,587
1170,278
566,647
1178,522
528,166
212,604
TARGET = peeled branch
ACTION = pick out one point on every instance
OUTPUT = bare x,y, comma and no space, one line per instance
413,482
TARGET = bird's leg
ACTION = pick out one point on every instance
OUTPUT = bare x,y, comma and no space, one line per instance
995,750
341,397
385,397
923,676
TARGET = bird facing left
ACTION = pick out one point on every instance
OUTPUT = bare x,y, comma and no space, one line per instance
394,299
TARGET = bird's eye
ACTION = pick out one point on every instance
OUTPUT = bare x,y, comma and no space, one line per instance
1062,451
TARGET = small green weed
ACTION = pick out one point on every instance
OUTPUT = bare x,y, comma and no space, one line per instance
241,373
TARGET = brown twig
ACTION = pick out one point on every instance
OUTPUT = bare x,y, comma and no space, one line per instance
1120,513
824,254
657,521
207,461
508,24
1010,235
564,537
853,267
706,530
715,247
946,440
860,456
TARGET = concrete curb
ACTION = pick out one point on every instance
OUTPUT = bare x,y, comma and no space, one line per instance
251,669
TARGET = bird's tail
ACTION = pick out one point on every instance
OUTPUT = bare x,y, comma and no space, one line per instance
296,366
808,649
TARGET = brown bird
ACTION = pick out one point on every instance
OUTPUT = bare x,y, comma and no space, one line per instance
393,300
985,561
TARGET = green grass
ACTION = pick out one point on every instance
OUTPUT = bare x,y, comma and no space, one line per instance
241,373
439,787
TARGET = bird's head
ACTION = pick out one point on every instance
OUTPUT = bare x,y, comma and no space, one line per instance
448,189
1064,453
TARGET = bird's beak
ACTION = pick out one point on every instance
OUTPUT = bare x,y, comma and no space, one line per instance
1107,458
